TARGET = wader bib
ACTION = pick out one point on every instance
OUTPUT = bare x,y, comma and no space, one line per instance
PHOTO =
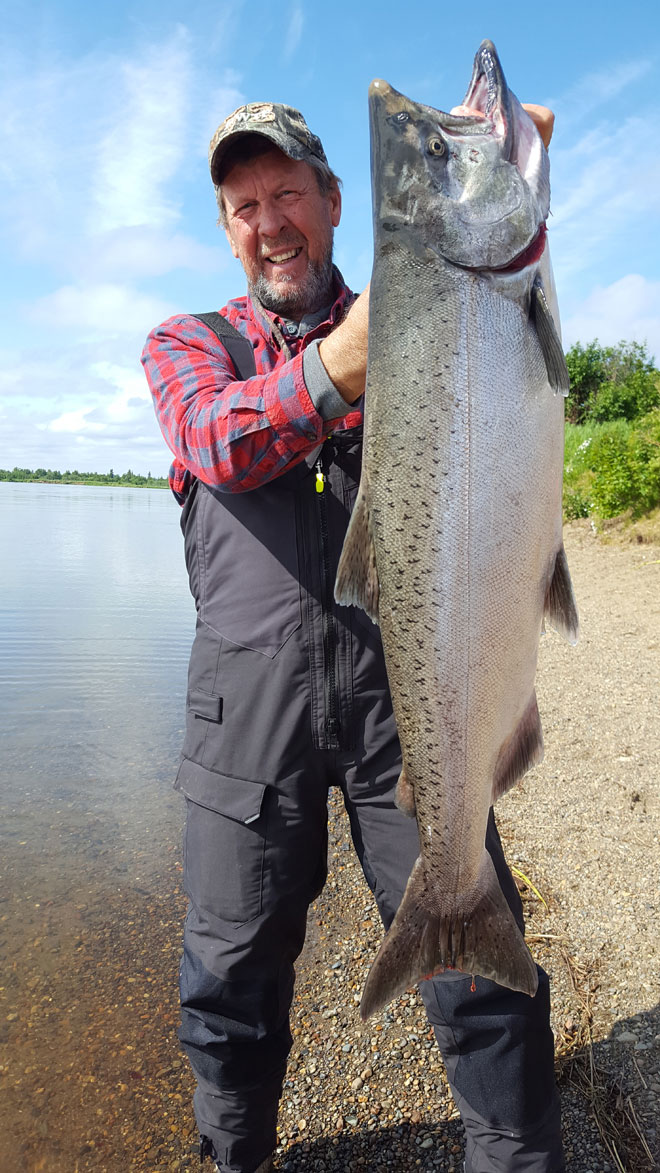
287,696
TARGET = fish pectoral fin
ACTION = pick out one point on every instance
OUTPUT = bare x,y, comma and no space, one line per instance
522,750
405,795
424,940
553,354
357,577
560,607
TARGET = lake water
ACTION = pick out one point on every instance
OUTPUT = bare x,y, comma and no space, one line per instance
96,623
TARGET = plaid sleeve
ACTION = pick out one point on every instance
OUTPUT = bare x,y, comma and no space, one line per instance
230,434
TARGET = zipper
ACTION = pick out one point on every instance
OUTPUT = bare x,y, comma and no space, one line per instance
328,619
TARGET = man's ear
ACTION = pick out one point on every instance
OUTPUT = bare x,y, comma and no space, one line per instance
335,205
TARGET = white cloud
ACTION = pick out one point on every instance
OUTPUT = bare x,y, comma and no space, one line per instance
221,101
132,253
145,141
628,309
602,188
294,31
108,308
596,88
92,145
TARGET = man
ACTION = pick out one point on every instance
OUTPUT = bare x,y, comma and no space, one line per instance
287,691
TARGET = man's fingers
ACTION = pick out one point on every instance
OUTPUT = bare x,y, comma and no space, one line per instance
543,119
466,112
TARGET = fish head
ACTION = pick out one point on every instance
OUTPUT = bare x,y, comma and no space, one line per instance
472,187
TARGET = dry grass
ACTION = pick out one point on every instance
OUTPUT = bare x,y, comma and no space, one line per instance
622,530
612,1110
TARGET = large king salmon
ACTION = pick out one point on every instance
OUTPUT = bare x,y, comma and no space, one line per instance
455,543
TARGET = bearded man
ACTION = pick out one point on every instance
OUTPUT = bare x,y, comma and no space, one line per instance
288,696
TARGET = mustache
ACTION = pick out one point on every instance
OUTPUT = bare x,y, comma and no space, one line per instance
278,244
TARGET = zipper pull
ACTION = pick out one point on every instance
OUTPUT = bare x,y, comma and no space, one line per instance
320,480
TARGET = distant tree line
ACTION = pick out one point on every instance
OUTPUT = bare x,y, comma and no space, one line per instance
50,475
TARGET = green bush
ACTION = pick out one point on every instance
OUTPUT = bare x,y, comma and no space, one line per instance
629,401
613,467
586,371
610,382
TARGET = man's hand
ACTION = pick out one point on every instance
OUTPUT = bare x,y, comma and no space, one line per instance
543,119
344,352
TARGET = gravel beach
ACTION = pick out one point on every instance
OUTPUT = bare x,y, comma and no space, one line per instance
93,1079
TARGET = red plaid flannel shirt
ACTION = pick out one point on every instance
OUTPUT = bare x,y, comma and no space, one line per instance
235,434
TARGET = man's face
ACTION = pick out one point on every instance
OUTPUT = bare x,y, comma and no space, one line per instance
280,228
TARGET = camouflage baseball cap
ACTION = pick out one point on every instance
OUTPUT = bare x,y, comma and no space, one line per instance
283,125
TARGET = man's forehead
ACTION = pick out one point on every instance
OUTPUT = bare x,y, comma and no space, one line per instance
271,166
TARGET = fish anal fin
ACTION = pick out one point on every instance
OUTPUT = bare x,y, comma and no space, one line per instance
560,607
553,354
427,938
405,795
357,576
522,750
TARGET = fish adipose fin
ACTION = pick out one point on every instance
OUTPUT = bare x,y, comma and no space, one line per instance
560,607
553,354
424,941
522,750
357,577
405,795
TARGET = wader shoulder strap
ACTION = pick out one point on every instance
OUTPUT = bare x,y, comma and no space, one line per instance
239,349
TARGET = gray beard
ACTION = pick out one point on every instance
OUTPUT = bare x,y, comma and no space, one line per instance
312,295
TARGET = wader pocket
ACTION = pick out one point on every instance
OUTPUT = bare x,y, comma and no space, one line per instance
224,843
206,704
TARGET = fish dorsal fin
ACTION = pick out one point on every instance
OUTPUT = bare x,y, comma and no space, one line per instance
522,750
555,363
357,576
560,607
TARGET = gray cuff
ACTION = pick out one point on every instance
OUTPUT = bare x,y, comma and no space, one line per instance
322,391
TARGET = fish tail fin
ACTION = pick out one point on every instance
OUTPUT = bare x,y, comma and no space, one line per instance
426,939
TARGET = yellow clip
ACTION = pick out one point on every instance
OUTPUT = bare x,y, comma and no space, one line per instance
319,482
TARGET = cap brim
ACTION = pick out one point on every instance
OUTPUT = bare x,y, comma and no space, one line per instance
285,143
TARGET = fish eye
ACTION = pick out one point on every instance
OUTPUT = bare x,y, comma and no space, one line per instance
402,116
435,146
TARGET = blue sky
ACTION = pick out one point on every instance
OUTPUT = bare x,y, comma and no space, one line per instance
107,214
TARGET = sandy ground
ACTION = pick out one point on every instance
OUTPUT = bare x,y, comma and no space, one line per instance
92,1077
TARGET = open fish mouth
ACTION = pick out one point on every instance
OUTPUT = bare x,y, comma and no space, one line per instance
488,94
487,85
